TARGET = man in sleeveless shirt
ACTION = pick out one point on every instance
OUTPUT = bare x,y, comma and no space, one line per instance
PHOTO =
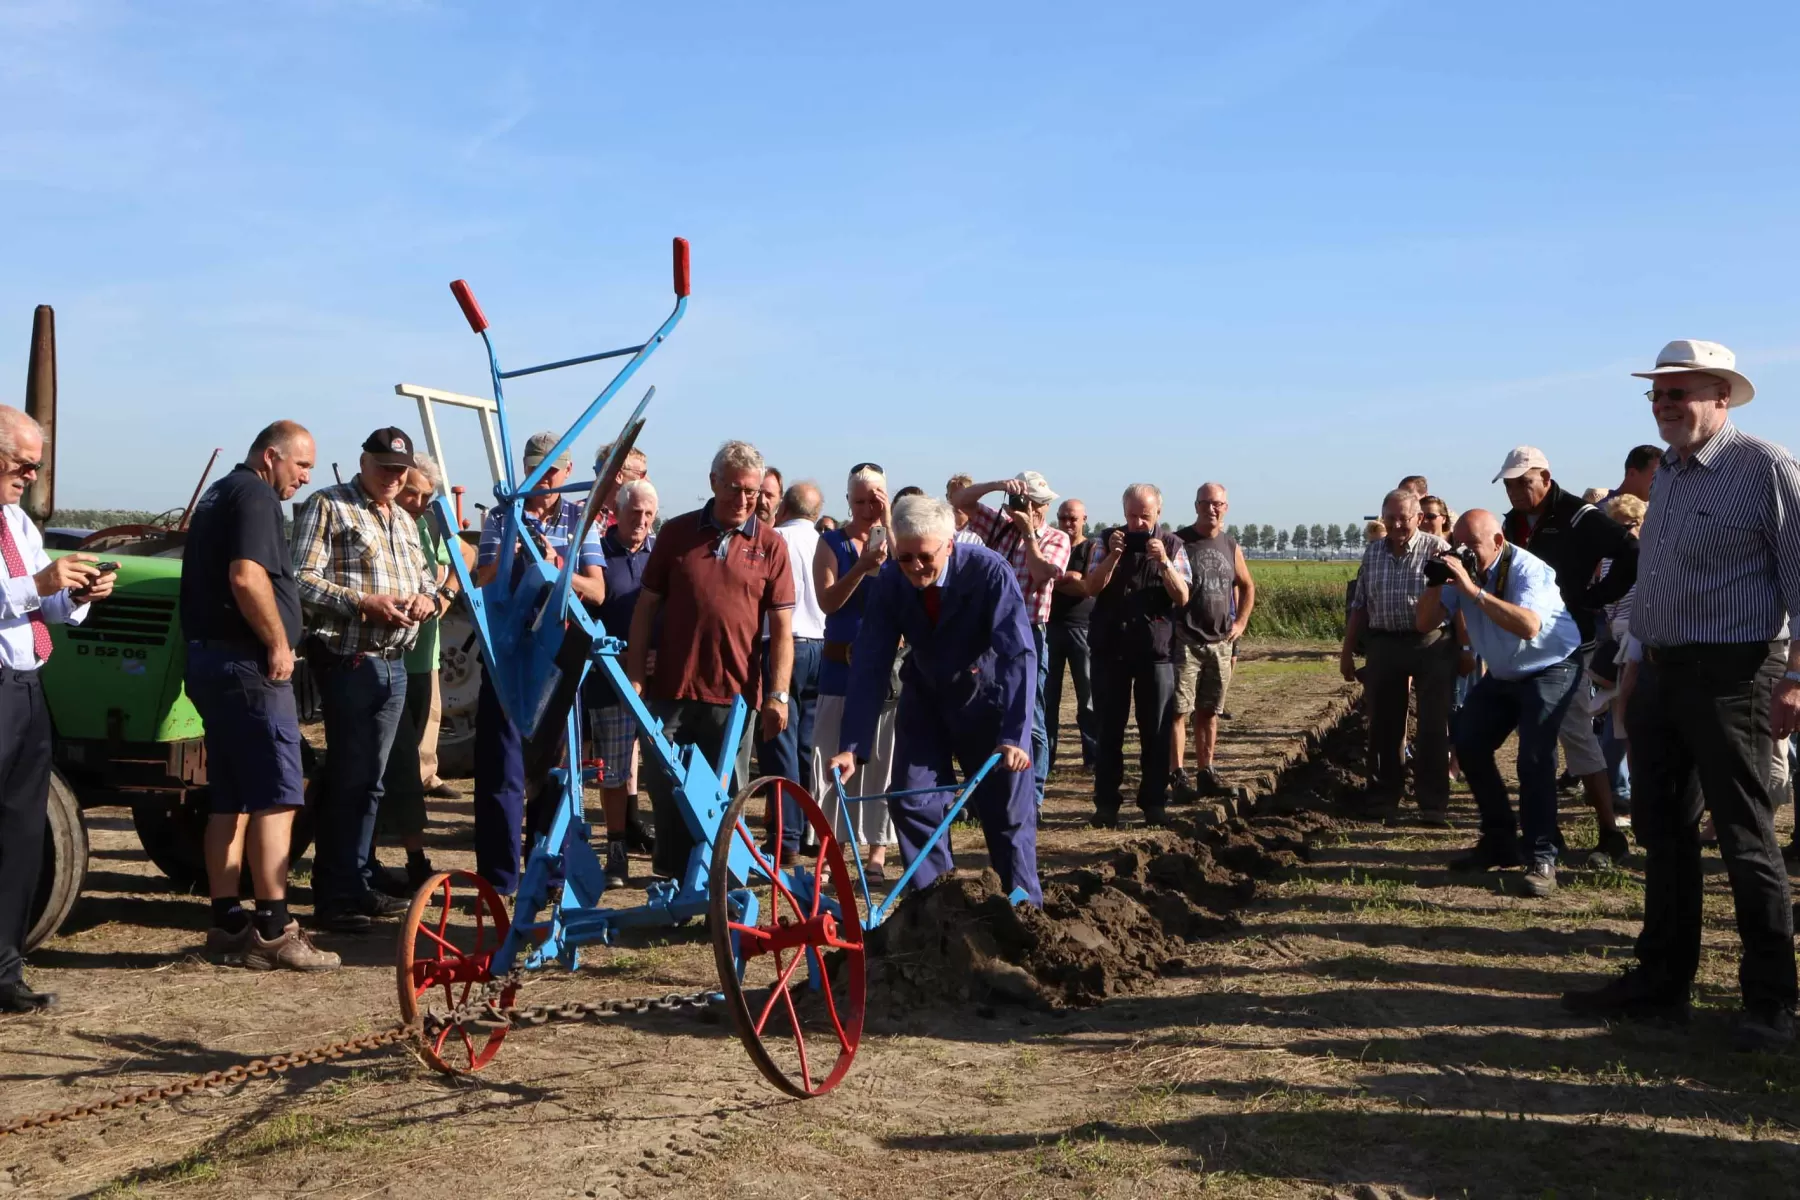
1206,632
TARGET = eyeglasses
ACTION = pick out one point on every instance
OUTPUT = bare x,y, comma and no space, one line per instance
1678,395
746,492
26,468
875,467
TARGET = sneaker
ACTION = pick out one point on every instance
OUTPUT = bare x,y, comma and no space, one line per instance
442,791
227,948
618,864
1208,782
292,951
1156,818
342,920
1539,880
1567,782
380,905
1612,850
1486,856
1763,1029
1630,997
1181,787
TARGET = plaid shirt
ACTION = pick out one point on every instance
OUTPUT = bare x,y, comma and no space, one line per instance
1389,587
556,533
996,529
345,549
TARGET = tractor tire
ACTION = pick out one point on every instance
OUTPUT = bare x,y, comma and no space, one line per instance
173,836
459,690
65,864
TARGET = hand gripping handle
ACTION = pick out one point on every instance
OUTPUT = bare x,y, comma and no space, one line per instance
681,266
471,309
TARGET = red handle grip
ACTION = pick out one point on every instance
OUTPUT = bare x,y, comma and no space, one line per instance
681,266
466,300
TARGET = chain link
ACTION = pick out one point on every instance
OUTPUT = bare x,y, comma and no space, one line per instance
482,1013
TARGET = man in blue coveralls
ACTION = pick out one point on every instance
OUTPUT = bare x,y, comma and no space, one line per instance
966,691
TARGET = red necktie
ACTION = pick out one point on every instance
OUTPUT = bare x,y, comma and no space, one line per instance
15,567
933,597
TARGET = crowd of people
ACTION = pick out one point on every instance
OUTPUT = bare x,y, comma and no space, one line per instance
1643,630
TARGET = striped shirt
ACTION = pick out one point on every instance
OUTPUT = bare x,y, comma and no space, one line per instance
556,532
346,548
1720,547
1389,586
997,530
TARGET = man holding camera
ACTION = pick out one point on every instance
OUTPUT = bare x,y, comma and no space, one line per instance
1384,616
1519,626
1039,554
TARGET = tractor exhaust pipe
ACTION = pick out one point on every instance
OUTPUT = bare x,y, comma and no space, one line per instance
39,501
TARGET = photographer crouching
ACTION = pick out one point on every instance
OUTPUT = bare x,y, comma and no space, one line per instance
1519,626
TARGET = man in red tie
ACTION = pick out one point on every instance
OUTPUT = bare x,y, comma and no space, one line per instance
966,692
33,592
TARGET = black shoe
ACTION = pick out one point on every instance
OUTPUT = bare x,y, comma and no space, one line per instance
1208,782
1613,850
1539,880
387,881
1631,997
618,864
442,791
1486,856
1156,818
1763,1029
1181,788
380,904
1104,818
17,998
342,920
418,870
1567,782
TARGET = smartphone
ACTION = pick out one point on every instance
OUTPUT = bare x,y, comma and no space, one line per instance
878,537
106,568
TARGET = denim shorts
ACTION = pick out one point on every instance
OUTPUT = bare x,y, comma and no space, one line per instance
252,731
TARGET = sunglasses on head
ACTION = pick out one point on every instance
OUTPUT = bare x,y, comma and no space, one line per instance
868,466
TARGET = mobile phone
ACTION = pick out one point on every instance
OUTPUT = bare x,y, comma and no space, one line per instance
106,568
878,537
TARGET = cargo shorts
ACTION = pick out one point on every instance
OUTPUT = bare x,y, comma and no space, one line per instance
1202,677
252,730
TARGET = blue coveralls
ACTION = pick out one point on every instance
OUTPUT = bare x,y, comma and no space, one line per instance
967,686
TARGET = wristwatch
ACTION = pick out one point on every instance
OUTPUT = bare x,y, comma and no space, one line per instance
779,697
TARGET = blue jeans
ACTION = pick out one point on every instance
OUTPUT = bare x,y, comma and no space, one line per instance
362,699
789,753
1040,733
499,793
1069,644
1534,706
1617,772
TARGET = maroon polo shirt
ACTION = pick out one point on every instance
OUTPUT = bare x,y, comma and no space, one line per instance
716,586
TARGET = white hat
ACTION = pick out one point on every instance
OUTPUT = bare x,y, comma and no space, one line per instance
1519,460
1037,488
1685,354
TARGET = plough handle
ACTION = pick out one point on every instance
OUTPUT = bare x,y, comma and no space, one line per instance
472,310
681,269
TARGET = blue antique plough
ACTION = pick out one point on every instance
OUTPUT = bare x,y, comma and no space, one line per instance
462,957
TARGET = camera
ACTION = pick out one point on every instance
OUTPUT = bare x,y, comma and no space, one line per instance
1437,573
1138,542
1018,503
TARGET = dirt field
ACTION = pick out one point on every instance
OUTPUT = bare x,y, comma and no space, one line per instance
1373,1028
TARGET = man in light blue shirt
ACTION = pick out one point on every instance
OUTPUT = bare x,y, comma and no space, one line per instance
1518,625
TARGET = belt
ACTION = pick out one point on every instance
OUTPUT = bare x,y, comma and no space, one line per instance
798,638
326,657
15,675
1690,653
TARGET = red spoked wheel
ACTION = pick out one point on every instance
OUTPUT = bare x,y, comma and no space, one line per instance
447,944
792,971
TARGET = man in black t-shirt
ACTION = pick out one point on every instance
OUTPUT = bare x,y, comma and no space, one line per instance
240,616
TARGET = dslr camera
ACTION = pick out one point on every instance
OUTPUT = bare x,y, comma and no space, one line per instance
1437,573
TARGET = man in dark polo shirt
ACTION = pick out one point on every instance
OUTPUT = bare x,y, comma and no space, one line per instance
627,547
240,615
713,577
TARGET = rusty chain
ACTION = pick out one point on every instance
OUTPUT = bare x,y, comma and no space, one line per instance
481,1013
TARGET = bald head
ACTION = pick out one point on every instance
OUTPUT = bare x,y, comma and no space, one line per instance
1480,530
282,455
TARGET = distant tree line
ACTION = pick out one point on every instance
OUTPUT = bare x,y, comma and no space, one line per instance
1302,539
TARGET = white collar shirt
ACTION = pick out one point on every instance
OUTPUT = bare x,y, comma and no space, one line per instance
19,597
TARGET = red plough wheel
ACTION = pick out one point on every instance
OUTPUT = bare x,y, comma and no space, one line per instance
447,944
806,931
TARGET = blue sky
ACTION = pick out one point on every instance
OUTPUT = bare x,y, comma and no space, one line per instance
1301,248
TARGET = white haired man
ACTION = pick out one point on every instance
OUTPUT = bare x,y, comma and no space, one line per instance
627,547
965,694
1719,684
1039,554
34,592
713,577
1139,586
1383,620
1207,630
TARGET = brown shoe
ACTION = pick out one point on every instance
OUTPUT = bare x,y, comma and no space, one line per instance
292,951
443,791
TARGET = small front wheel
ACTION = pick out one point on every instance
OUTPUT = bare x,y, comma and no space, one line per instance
456,924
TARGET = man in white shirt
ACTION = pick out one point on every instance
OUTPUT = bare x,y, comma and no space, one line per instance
34,594
789,753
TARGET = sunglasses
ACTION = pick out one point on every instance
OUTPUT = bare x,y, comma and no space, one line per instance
26,468
920,557
1678,395
868,466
